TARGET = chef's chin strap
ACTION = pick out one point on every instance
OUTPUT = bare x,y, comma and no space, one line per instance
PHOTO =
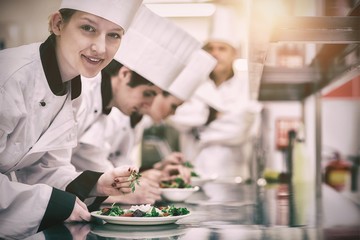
135,118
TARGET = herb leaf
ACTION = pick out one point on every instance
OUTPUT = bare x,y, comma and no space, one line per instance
134,180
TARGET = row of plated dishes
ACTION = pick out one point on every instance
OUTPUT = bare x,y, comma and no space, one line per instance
173,191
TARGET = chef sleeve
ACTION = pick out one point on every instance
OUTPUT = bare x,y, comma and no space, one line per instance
230,128
26,209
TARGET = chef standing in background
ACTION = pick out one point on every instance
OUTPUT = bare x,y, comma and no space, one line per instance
217,122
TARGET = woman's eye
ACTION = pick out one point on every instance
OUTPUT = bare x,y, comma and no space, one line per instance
88,28
115,35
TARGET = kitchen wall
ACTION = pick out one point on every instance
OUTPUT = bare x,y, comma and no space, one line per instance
23,21
340,128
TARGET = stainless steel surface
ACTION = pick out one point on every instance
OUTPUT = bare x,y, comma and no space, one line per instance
318,157
229,211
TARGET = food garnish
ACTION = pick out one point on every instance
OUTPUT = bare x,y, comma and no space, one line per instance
134,180
145,210
191,166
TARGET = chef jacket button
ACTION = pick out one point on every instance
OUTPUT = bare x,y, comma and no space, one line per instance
95,111
42,103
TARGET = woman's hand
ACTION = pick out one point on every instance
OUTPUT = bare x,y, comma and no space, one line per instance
173,171
80,212
175,158
114,182
147,192
152,174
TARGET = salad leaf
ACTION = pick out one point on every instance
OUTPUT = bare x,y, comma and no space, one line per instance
175,183
188,164
173,211
114,210
191,166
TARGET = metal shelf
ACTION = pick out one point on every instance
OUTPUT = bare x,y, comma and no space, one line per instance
338,57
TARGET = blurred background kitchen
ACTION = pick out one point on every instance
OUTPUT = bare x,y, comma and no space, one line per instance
302,66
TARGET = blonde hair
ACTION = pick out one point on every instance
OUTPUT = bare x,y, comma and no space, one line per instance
65,13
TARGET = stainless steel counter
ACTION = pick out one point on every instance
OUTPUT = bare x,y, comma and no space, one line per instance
229,211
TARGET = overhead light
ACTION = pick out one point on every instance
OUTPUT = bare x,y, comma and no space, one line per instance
183,9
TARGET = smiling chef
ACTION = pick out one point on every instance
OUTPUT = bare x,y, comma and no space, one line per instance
39,186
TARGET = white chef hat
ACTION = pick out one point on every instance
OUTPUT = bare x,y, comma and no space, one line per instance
225,27
156,48
120,12
195,73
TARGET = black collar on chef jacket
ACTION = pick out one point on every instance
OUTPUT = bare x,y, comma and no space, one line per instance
52,73
106,92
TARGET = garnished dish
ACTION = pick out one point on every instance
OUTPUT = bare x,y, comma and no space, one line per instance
176,190
141,214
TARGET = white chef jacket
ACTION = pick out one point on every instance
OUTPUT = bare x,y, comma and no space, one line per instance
100,128
105,143
218,151
37,132
89,103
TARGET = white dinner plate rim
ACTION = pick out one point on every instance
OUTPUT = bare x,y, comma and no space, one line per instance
138,220
193,189
178,230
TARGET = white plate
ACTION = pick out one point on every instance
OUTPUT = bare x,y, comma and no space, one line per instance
177,194
138,220
135,232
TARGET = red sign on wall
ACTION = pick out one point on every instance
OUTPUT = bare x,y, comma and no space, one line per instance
283,126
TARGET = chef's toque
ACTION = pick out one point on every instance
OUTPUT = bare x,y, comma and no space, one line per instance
195,73
156,48
225,27
120,12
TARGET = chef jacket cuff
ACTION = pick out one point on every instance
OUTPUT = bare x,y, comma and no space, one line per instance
83,184
96,204
59,208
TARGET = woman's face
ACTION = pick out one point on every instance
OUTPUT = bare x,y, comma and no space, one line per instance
163,107
85,44
131,99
